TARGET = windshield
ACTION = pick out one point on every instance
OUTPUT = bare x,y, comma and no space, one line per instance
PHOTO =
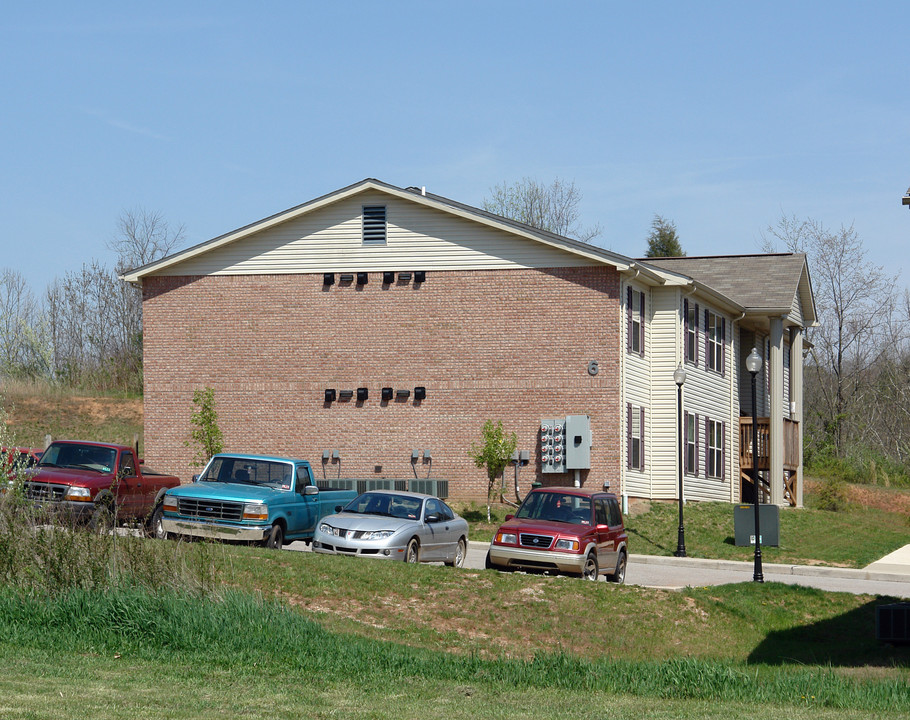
249,471
388,504
556,507
75,455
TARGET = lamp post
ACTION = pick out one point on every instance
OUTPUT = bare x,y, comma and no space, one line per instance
753,365
679,377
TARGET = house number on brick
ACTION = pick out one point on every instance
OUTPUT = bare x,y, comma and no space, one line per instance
593,369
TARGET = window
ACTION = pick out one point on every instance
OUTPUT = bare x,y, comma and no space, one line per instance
715,334
635,316
715,436
374,225
690,444
690,311
635,437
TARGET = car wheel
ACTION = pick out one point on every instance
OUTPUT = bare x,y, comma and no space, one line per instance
590,570
276,538
412,554
102,520
155,527
487,563
619,575
461,551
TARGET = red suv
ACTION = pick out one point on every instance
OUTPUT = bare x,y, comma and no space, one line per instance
569,530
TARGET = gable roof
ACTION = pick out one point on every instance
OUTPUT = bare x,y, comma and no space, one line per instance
414,195
761,284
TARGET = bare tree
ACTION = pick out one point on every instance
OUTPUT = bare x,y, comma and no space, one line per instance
859,322
553,207
143,236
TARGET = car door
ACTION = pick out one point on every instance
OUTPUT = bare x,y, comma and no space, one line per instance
129,488
306,508
606,548
434,523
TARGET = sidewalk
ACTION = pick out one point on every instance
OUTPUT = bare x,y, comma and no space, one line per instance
892,568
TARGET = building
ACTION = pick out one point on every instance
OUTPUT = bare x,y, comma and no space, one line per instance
374,329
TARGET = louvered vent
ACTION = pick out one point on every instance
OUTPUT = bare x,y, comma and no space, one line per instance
374,225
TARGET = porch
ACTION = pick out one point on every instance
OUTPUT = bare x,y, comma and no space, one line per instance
763,459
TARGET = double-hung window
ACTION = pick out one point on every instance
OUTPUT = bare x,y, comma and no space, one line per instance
635,321
690,444
635,437
715,334
690,311
715,446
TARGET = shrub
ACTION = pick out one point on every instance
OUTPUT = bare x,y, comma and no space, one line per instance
832,495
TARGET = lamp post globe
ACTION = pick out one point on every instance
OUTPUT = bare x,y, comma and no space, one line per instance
679,377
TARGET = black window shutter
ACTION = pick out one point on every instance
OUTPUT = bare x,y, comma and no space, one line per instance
697,464
723,346
641,325
723,451
629,318
629,436
641,441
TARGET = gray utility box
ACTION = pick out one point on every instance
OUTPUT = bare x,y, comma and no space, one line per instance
578,442
892,623
744,525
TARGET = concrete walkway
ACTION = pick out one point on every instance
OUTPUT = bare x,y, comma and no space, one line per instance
897,563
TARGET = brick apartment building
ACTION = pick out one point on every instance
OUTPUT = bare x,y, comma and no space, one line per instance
375,287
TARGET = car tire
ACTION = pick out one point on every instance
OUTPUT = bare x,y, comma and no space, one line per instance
487,563
619,574
276,538
102,520
155,528
412,553
461,552
590,571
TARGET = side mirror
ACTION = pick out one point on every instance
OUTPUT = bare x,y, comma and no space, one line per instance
195,478
339,508
432,518
311,490
509,517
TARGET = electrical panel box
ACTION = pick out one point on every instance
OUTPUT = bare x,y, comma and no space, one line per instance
578,442
553,446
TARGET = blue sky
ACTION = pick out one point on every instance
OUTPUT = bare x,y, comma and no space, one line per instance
718,116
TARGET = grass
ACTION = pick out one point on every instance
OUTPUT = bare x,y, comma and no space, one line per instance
109,655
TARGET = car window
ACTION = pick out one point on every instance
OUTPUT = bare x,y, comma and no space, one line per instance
615,514
600,506
447,513
433,507
556,507
127,464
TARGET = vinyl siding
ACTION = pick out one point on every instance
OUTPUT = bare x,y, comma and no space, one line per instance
330,239
637,392
666,333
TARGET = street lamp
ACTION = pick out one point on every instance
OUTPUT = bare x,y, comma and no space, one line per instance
679,377
753,365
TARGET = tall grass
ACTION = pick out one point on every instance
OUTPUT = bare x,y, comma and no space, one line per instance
249,634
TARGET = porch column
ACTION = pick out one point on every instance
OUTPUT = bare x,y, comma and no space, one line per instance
796,395
776,441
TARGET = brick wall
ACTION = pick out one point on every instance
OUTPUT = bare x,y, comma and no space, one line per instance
499,344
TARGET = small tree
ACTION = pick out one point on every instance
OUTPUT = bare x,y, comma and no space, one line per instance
663,240
206,435
493,453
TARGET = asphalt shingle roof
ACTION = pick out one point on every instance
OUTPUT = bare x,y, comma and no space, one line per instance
756,282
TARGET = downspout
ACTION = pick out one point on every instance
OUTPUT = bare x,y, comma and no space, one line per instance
734,394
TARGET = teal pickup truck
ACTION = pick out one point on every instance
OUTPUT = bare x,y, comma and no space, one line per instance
251,498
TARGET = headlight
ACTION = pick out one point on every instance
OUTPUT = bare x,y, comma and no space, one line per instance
567,545
378,534
506,538
255,511
169,504
77,494
326,529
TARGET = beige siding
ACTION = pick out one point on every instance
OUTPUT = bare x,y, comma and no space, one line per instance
710,395
666,332
329,239
637,391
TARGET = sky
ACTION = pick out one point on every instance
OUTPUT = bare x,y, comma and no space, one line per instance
721,117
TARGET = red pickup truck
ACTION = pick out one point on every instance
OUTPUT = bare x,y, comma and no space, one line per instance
98,483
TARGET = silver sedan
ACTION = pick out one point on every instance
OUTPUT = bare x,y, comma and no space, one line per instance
396,526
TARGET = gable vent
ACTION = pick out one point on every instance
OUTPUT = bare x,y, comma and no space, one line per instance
374,225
